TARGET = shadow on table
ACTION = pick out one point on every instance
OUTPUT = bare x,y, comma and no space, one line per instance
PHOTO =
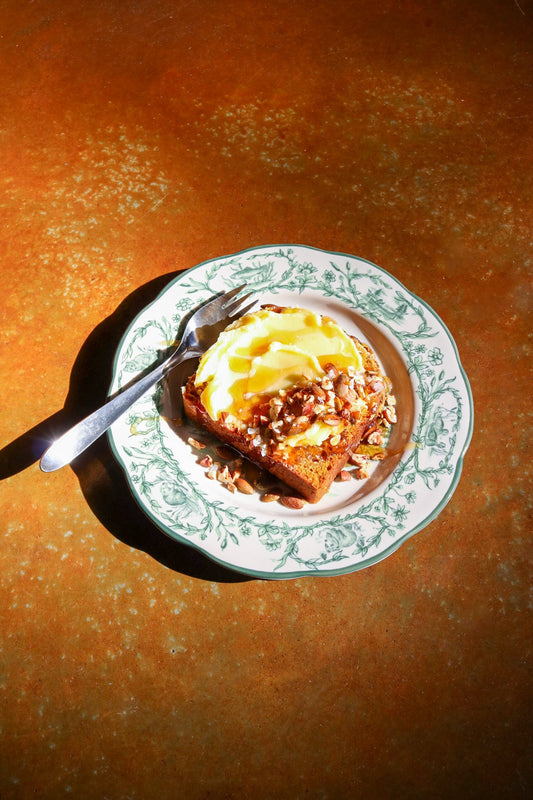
101,479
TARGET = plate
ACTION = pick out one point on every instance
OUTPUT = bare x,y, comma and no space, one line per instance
358,523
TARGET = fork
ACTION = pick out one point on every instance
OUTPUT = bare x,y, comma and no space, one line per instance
200,333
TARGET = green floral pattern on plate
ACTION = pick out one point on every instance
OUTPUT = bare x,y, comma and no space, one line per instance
350,530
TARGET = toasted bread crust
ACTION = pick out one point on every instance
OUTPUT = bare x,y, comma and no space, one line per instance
308,470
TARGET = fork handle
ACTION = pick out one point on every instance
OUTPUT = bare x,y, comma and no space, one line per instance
84,433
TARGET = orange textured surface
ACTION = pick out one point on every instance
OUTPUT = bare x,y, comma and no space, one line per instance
138,139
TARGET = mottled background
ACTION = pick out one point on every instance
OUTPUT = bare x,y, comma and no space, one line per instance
138,139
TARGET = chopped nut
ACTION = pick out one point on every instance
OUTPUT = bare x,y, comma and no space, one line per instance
196,444
269,497
375,385
375,438
243,486
341,384
331,371
334,441
308,407
389,414
300,424
292,502
206,461
331,419
351,396
223,474
344,475
363,472
318,391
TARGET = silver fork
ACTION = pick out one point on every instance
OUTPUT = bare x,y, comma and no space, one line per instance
200,333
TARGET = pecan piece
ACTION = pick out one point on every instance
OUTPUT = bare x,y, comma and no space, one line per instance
224,475
299,425
375,438
375,385
308,407
196,443
390,414
341,384
331,370
331,419
344,475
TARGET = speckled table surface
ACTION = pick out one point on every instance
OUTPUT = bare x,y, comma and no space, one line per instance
136,140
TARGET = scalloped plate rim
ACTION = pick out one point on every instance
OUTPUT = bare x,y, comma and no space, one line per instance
299,573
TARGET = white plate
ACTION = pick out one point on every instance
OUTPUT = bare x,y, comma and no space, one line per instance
358,522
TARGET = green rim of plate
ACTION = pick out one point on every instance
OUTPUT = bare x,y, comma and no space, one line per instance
425,478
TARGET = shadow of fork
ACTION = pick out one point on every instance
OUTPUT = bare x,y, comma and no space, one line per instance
102,481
